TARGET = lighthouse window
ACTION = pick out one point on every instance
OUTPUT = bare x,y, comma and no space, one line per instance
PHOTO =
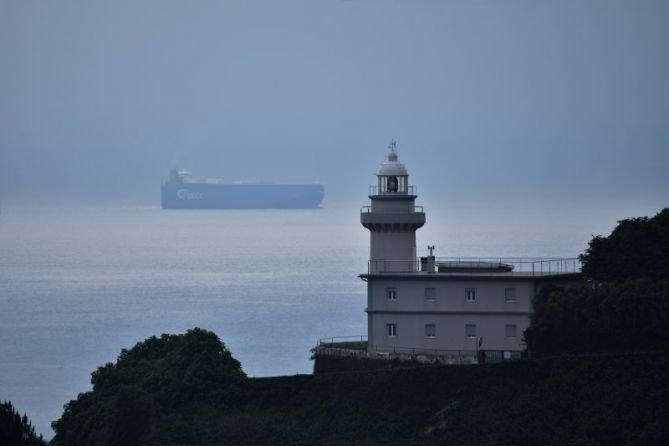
431,294
430,330
470,294
392,184
391,294
509,294
391,330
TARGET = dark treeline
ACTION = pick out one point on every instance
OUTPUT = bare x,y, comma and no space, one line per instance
186,389
622,304
17,430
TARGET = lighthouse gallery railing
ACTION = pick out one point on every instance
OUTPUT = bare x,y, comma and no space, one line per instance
527,266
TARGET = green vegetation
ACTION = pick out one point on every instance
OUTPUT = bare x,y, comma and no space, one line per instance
541,403
637,248
188,390
17,430
625,317
150,384
623,303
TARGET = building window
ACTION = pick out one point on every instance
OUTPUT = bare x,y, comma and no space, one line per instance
430,330
470,294
391,330
391,294
509,294
430,294
510,330
470,330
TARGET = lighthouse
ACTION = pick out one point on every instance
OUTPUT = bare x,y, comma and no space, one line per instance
392,218
455,310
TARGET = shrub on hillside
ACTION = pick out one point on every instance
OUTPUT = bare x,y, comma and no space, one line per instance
637,248
157,377
629,316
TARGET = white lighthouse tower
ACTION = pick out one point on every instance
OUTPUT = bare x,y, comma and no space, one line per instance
440,310
392,219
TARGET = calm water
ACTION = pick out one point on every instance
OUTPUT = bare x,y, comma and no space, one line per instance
79,284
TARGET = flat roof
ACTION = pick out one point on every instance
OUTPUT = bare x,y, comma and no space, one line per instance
469,276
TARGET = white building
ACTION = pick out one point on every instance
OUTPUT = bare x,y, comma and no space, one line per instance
442,307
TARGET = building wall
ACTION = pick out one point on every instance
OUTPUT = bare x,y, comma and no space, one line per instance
450,295
449,311
397,249
449,331
400,204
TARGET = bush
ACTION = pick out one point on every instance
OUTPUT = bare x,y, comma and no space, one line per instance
629,316
637,248
156,378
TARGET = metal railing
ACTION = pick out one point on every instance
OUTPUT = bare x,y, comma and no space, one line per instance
533,266
357,347
409,210
340,339
410,190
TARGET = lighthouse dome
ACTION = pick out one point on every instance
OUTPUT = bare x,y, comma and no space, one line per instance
392,167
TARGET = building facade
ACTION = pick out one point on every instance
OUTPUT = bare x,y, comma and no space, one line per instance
442,306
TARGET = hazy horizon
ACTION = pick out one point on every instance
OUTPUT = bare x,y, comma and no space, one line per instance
491,103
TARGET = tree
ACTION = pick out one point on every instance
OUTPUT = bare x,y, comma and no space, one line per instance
610,317
17,430
158,377
637,247
623,304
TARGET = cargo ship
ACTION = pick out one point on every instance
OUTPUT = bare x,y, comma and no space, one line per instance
182,192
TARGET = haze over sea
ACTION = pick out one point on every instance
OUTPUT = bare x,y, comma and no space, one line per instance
79,284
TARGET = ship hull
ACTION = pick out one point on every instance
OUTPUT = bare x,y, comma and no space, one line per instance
241,196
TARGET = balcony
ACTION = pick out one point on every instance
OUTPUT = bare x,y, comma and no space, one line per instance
375,191
410,210
403,218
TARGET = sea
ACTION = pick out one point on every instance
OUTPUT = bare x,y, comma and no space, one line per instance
78,284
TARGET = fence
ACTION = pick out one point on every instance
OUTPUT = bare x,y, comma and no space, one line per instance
406,190
357,347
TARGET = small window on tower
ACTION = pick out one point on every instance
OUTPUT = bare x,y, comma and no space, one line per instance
391,294
391,330
430,330
470,294
510,330
470,331
392,184
430,294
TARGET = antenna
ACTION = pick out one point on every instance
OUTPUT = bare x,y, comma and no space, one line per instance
430,248
393,145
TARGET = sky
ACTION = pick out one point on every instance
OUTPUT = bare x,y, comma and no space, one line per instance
490,102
